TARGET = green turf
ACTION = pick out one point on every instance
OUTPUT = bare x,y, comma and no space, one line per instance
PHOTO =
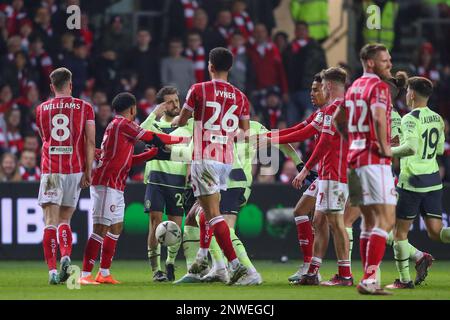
28,280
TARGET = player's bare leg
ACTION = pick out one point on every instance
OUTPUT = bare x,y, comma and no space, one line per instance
154,248
50,241
215,224
384,217
107,255
303,209
172,251
65,240
341,244
93,247
351,214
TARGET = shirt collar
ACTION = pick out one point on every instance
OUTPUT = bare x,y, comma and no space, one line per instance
370,75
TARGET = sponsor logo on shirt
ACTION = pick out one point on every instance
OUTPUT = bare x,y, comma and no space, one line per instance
358,144
328,120
58,150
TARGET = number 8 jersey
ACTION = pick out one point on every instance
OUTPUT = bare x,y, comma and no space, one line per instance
61,122
366,93
217,106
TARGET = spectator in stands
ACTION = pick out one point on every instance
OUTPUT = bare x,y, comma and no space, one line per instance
14,13
242,19
78,64
50,5
11,139
129,81
106,72
262,11
147,103
28,169
99,97
272,110
195,51
144,60
6,99
425,65
177,70
86,34
3,34
303,58
19,74
210,38
114,38
14,45
224,27
266,67
315,14
65,48
44,29
102,119
27,106
181,17
31,142
281,40
9,169
41,61
288,172
238,73
25,31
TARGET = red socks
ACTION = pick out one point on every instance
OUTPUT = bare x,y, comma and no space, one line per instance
206,231
91,252
315,265
375,252
344,268
363,241
108,250
50,244
305,237
65,239
222,234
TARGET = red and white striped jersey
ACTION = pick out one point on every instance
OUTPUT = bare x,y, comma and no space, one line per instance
333,165
61,122
117,152
218,106
365,94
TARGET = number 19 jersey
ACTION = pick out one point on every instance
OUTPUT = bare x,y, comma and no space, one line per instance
366,93
217,106
61,122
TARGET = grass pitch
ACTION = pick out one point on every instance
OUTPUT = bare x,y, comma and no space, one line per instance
28,280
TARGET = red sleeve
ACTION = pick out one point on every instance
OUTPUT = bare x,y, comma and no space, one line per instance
287,131
132,131
298,136
90,115
245,112
148,136
380,96
190,99
144,156
319,151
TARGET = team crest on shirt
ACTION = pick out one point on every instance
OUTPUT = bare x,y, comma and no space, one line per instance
328,120
112,208
319,117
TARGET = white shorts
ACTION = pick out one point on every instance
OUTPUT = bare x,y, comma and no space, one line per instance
331,196
312,189
60,189
108,205
209,177
372,184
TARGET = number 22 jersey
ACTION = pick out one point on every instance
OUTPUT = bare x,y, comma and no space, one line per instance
61,122
366,93
217,106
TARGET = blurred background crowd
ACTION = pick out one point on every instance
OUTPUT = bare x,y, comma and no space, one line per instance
166,42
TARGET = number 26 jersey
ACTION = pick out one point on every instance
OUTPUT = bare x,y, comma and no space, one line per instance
62,122
217,106
366,93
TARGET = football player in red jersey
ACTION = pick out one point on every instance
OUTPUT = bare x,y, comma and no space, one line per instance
219,111
365,121
67,129
109,180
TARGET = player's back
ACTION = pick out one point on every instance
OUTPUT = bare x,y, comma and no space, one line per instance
218,106
117,152
366,93
62,122
420,171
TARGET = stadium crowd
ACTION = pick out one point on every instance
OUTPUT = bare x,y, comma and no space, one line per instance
273,70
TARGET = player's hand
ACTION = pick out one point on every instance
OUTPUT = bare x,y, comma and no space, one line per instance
385,151
263,142
160,109
175,121
395,142
86,180
298,180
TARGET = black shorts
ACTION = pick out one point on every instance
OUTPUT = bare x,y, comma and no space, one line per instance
410,204
158,198
232,200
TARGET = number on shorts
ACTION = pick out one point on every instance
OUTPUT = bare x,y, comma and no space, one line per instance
360,126
179,198
227,117
60,123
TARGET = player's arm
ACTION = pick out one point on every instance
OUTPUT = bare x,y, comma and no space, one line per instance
144,156
297,136
441,143
410,143
187,110
340,121
287,131
380,124
89,150
149,123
